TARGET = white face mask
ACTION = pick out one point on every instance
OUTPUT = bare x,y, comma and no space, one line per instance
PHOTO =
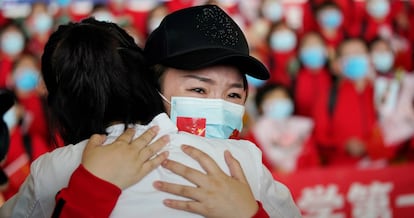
212,118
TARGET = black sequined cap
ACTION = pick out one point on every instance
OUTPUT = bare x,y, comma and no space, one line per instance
201,36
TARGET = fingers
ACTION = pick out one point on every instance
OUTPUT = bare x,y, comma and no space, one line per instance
126,136
180,190
96,140
146,137
192,175
235,168
190,206
152,149
206,162
154,163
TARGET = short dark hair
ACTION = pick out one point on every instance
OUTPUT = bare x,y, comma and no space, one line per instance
96,75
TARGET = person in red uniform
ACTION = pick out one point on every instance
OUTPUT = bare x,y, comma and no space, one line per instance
394,94
12,45
285,139
345,117
314,77
330,24
283,64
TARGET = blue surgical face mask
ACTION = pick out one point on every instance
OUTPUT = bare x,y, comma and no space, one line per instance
254,82
283,40
42,23
279,109
355,67
10,118
273,11
27,79
378,9
63,3
12,43
330,19
383,61
222,119
313,57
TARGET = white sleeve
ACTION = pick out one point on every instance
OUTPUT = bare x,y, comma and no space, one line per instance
23,203
276,197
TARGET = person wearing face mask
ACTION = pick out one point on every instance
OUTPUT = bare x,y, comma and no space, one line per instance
12,45
220,80
285,138
28,86
330,23
313,78
378,19
39,24
26,121
345,117
393,94
272,10
282,43
201,76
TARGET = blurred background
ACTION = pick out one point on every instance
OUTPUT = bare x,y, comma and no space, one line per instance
335,121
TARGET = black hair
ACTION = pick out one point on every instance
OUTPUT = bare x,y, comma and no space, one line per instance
95,75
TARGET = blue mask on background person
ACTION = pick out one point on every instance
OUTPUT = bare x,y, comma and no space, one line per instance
378,9
355,67
383,61
12,43
283,40
279,109
63,3
27,80
255,82
273,11
313,57
42,23
331,19
222,118
10,118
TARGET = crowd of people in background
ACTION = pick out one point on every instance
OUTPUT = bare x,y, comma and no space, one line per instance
341,91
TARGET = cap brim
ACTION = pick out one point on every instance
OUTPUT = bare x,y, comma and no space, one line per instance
194,60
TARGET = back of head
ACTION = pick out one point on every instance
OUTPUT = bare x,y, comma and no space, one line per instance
95,75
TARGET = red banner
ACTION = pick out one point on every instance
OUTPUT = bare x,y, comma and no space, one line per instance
356,193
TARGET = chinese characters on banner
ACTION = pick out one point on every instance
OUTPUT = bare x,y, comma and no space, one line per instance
353,193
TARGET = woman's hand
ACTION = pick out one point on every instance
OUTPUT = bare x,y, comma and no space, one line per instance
125,161
216,194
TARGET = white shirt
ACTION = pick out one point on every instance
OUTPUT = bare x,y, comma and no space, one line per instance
51,172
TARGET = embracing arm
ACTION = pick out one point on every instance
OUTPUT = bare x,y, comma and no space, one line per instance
216,194
96,184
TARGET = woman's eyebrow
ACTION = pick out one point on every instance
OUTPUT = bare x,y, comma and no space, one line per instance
200,78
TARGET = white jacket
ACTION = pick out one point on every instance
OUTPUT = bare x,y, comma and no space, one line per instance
51,172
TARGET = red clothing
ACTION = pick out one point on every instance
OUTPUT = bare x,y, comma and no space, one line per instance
34,107
280,64
6,66
17,163
309,84
353,116
98,197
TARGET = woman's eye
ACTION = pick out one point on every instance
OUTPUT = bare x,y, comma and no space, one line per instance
198,90
234,95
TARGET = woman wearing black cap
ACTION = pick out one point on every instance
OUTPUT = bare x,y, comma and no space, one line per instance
200,72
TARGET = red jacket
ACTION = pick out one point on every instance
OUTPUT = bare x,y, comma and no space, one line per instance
98,197
353,116
308,85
